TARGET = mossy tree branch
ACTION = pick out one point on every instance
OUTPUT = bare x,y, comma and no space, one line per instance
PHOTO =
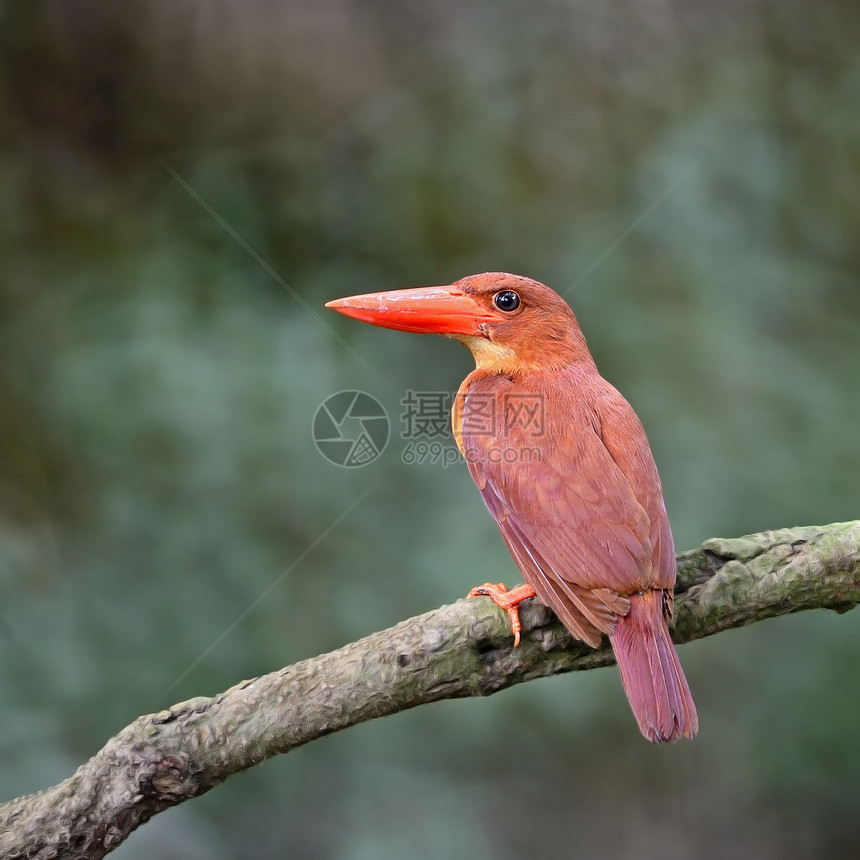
456,651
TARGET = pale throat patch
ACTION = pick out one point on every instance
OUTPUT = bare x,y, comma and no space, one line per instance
489,355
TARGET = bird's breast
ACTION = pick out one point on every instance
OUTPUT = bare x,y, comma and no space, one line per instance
495,415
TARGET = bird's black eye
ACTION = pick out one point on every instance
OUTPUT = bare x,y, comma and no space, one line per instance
506,300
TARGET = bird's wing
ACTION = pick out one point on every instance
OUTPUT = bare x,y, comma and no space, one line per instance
579,527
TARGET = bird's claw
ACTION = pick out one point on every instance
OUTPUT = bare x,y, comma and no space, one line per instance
507,600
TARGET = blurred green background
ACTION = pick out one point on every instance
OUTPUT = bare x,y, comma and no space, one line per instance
158,384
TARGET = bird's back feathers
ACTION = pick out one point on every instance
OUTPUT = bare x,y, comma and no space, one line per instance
565,469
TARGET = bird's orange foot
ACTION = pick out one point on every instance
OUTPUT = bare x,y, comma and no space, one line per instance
507,600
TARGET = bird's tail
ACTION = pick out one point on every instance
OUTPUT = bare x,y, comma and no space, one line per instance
651,672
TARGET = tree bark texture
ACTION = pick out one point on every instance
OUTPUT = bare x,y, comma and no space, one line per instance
461,650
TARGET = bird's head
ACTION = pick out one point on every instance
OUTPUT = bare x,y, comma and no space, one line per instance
510,323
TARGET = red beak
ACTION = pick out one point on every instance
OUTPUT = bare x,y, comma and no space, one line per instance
438,310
